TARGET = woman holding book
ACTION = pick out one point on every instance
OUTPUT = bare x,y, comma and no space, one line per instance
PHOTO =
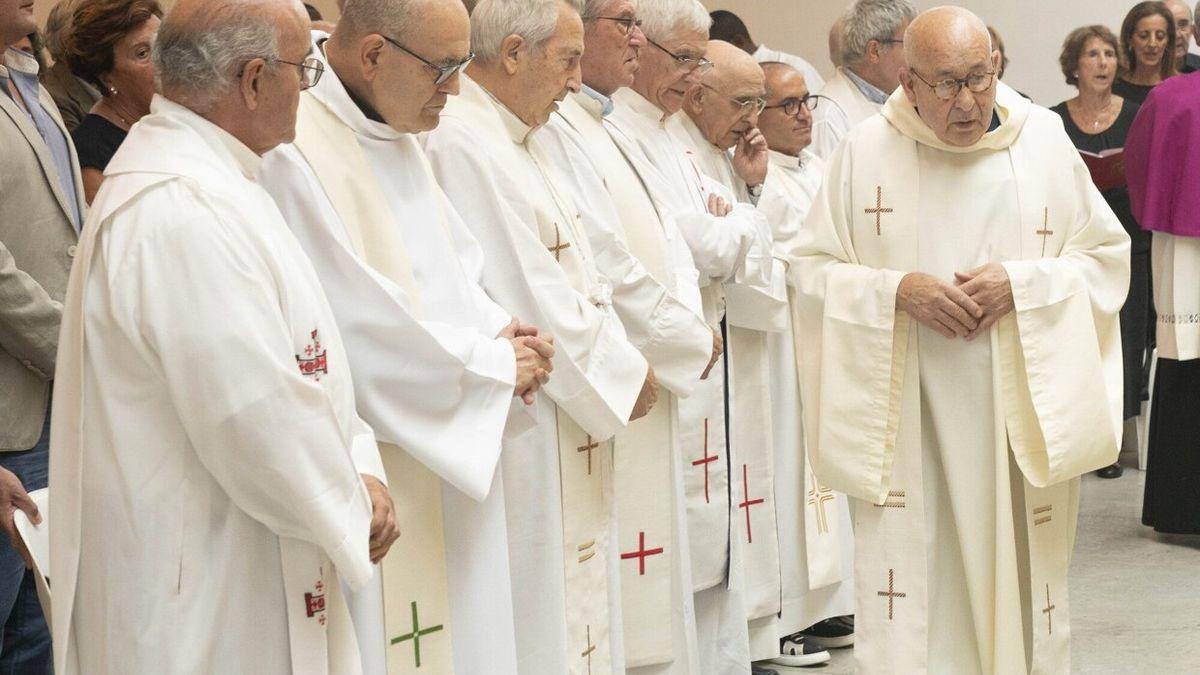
1097,121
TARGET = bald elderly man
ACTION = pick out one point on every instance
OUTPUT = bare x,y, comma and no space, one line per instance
961,362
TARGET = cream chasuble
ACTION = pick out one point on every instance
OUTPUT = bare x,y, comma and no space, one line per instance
968,465
816,544
1176,263
402,273
662,308
752,314
558,477
834,118
203,401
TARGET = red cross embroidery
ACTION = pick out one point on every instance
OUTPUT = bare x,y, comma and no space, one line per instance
747,503
315,362
705,461
641,553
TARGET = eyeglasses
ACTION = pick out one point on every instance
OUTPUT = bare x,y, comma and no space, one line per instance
947,89
745,106
310,69
443,72
686,63
791,106
890,41
626,23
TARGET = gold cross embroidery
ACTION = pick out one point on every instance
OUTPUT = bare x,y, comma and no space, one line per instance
891,593
817,497
558,243
1047,611
879,209
1045,231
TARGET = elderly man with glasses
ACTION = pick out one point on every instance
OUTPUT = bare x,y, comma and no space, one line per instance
960,278
437,363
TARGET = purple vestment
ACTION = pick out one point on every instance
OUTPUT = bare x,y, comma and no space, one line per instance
1162,158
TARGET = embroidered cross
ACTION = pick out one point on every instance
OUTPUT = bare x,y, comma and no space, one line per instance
705,461
891,593
641,553
879,209
747,503
1045,231
586,550
1043,519
416,635
587,653
817,496
315,361
894,500
558,243
591,445
314,604
1048,612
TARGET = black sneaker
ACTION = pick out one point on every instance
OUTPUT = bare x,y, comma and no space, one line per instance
834,633
1114,471
794,651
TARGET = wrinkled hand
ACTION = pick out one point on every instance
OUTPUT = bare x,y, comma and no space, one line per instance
533,355
990,288
12,497
647,398
717,205
717,349
384,529
938,305
750,157
517,329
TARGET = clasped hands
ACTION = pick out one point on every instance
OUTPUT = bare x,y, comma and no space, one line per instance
533,350
965,309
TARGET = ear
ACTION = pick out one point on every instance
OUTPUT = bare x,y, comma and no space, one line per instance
693,100
511,53
370,50
909,82
872,55
251,82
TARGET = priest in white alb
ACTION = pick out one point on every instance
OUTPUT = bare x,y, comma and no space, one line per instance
540,266
436,361
959,282
816,544
656,295
212,482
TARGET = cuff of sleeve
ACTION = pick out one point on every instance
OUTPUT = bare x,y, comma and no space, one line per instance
364,452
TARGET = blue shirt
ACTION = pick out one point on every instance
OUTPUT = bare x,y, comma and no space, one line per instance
22,69
874,94
606,102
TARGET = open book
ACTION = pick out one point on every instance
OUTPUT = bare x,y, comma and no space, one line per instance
1107,167
37,540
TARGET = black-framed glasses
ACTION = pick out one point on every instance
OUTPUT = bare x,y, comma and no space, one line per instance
746,106
947,89
689,64
791,106
626,23
890,41
310,69
443,72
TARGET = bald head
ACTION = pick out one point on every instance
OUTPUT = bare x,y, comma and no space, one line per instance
940,32
730,65
725,107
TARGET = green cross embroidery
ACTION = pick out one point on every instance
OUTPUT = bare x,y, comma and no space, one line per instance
416,634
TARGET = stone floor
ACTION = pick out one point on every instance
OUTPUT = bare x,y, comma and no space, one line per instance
1135,594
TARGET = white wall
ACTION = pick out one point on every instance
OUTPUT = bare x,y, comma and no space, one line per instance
1033,31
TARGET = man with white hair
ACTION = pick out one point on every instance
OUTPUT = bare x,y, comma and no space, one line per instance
1185,61
731,245
204,418
436,361
872,54
638,242
962,361
488,157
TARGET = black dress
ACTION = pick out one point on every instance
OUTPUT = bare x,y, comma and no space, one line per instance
96,141
1132,92
1135,314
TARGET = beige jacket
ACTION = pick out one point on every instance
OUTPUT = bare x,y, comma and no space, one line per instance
37,242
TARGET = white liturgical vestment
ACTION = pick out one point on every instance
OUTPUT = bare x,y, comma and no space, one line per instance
558,477
816,545
834,118
656,295
965,455
402,273
207,503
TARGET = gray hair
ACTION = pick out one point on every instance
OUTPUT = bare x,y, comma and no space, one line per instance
660,18
494,20
196,61
58,25
872,20
391,17
594,8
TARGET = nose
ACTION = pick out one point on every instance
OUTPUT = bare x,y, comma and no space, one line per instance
575,78
636,37
450,86
804,114
964,100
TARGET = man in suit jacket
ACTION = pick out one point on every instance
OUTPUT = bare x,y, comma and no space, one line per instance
41,210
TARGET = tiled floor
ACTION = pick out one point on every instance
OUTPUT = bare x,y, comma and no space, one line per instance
1135,594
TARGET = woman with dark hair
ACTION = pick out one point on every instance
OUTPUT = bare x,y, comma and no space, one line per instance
1097,120
109,46
1147,50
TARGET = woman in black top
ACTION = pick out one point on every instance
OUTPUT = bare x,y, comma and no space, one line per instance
109,46
1097,120
1147,49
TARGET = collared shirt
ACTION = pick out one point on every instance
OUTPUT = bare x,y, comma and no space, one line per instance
22,69
606,102
874,94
